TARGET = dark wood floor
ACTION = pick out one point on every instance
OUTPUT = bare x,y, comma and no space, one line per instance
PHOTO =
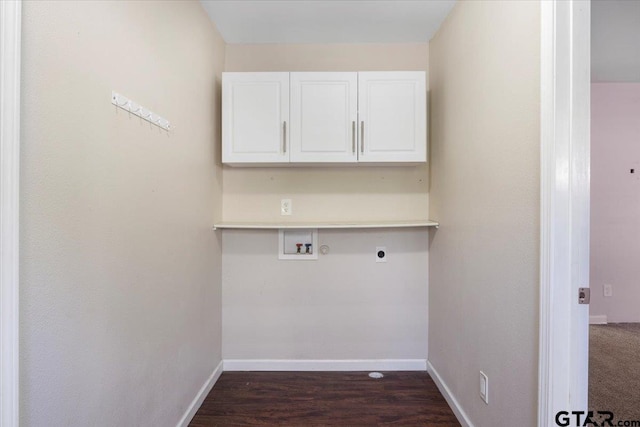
324,399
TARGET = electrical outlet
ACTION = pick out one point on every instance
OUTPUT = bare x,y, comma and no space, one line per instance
608,290
286,207
484,387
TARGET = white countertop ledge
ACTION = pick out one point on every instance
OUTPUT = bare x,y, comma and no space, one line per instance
251,225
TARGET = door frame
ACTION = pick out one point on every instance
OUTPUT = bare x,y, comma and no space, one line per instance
10,29
565,181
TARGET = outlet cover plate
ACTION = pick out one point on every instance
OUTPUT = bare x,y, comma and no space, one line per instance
484,387
286,207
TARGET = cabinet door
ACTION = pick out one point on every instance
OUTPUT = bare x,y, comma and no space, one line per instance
255,116
393,116
324,117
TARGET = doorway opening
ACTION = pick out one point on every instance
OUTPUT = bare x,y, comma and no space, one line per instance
614,331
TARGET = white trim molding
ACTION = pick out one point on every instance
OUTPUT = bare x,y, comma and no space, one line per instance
10,27
564,227
325,365
600,319
202,394
462,417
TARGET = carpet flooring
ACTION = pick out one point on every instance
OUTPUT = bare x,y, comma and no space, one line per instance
614,369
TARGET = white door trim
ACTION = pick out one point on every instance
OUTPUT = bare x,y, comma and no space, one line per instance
10,20
565,176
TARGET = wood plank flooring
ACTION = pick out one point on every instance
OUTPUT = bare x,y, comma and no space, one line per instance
324,399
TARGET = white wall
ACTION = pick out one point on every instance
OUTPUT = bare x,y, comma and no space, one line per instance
615,36
483,270
615,200
120,271
350,307
342,306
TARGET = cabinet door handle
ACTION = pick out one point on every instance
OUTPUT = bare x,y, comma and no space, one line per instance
362,137
353,137
284,137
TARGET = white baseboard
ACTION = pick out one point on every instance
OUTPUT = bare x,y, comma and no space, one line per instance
202,394
598,320
462,417
325,365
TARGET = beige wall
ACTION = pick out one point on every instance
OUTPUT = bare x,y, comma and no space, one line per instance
328,57
483,271
327,193
120,271
342,306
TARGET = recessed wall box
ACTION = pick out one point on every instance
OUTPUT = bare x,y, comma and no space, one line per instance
298,244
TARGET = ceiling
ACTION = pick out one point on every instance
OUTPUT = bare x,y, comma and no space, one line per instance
328,21
615,55
615,41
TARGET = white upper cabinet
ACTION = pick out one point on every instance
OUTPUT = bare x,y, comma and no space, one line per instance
324,114
255,116
392,112
324,117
